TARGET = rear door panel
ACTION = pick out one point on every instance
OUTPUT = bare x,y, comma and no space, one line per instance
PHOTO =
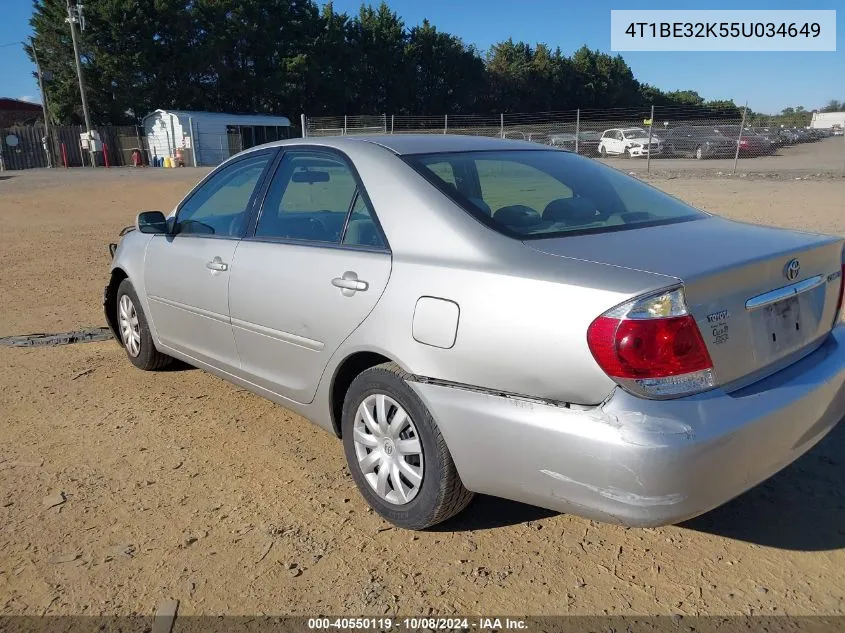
312,271
287,316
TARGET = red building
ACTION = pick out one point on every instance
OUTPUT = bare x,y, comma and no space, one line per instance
17,112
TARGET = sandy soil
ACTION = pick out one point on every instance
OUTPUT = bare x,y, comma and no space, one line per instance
179,485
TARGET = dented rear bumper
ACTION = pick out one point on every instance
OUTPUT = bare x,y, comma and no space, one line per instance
642,462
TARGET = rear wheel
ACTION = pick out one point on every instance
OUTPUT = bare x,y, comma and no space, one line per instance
396,453
135,332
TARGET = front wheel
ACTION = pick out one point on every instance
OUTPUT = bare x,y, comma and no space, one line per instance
603,151
396,453
135,332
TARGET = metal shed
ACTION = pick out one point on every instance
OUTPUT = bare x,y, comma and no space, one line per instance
209,138
827,120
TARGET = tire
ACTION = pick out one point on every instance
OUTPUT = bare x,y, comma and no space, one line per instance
603,151
699,153
439,495
627,153
140,349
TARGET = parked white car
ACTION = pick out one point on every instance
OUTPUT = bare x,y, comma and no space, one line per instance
628,142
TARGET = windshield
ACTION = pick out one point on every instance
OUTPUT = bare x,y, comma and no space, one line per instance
532,194
635,133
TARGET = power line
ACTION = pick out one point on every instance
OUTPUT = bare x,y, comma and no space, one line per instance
10,44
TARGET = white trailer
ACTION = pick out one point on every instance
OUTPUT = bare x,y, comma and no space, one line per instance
828,120
209,138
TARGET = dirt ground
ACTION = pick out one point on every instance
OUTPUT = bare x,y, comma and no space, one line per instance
119,489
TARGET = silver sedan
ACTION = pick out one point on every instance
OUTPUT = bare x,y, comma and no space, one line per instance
477,315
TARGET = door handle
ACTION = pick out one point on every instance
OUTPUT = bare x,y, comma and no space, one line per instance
349,283
217,265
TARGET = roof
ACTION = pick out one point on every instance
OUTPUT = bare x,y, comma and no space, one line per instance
17,105
404,144
243,119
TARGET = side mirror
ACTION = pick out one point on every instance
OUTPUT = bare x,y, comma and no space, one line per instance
151,222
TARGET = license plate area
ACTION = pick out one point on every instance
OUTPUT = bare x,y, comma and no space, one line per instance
781,324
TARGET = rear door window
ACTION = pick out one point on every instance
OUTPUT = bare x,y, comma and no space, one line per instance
530,194
308,199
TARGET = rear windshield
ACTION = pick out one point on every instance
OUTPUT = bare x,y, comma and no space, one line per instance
533,194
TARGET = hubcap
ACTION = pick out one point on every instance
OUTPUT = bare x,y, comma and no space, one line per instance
388,449
130,330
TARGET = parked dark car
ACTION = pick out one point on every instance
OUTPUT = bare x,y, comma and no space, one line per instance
750,144
697,141
802,135
818,134
787,136
563,140
588,142
770,134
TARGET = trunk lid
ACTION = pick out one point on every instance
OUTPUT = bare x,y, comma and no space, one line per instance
754,314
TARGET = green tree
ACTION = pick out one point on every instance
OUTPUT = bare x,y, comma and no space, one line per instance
834,106
376,46
444,75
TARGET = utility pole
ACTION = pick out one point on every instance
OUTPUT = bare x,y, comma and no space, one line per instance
47,146
74,13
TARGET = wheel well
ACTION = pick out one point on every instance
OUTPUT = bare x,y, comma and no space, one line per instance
343,377
117,276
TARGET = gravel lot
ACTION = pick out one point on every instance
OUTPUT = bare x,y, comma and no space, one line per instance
119,489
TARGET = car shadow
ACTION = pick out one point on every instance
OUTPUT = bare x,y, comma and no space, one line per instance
6,177
488,513
177,365
801,508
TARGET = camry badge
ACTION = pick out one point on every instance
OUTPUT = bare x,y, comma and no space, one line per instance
792,269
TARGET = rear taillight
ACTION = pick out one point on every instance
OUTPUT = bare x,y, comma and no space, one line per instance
652,347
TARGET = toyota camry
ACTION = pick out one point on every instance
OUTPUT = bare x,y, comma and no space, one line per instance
474,315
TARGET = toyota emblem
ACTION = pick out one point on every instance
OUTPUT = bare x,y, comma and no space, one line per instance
792,269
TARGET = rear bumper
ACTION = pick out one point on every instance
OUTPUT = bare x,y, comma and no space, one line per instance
642,462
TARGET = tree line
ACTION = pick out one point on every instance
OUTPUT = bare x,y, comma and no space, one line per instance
291,56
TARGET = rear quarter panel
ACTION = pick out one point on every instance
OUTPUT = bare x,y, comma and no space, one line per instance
520,331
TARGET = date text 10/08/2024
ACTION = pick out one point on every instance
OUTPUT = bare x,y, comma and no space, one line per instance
415,624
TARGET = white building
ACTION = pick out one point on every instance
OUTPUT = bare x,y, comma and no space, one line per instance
827,120
209,138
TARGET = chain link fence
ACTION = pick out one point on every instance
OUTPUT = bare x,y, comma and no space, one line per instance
652,134
649,133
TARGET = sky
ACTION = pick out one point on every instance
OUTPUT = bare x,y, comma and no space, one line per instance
768,81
